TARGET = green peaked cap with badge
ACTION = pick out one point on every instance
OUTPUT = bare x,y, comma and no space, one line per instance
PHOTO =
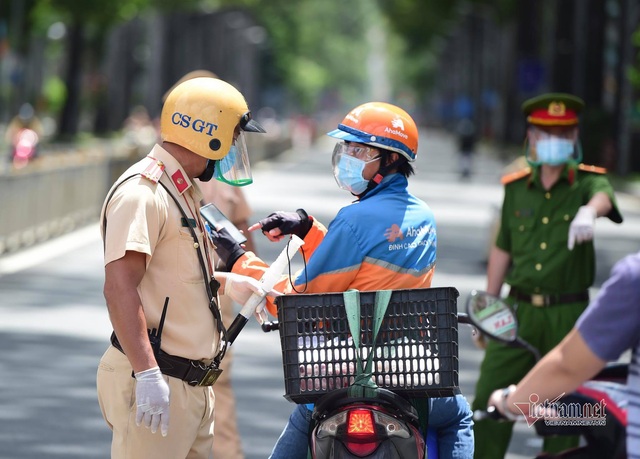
553,109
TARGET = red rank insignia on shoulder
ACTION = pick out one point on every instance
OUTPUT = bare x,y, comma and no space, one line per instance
179,181
154,170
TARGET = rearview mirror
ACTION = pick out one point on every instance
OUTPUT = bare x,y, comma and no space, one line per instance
492,316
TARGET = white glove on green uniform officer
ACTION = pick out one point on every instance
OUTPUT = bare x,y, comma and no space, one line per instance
581,229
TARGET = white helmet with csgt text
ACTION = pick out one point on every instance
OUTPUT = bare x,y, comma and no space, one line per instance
208,117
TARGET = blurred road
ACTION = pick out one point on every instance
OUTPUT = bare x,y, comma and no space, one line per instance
54,326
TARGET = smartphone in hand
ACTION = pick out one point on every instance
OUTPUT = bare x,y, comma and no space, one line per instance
217,219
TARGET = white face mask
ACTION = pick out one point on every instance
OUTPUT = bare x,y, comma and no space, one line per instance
554,151
347,171
348,167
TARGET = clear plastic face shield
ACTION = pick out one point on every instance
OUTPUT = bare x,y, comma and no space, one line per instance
234,168
348,161
552,145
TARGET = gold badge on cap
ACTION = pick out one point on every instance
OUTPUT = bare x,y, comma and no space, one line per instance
556,109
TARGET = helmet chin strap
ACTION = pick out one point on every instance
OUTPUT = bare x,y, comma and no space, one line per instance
208,172
377,178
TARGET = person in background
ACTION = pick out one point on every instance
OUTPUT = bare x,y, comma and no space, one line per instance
607,328
544,251
23,135
466,132
139,132
231,201
160,284
372,160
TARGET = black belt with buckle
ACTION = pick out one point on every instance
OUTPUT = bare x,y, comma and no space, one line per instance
541,301
193,372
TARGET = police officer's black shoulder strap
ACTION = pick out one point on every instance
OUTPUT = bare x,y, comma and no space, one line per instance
211,284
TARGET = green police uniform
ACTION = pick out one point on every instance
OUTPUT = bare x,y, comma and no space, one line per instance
548,282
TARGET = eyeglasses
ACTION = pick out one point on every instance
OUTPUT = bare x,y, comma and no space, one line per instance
358,151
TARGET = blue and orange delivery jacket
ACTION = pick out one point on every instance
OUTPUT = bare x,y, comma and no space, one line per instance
386,240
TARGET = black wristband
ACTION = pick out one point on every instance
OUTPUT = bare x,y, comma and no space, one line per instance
306,222
226,247
233,257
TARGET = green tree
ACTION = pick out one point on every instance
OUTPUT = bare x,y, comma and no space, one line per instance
87,23
318,46
633,73
423,24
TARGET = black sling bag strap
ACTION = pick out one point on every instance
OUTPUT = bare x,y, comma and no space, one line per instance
211,285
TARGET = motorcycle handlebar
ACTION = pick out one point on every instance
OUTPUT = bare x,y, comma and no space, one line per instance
238,324
490,413
270,326
463,318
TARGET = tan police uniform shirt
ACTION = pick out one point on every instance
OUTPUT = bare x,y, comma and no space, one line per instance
142,217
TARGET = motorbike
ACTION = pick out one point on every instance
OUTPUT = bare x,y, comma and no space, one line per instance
24,148
361,362
602,427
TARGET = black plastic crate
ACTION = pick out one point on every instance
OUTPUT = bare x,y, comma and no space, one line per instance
416,352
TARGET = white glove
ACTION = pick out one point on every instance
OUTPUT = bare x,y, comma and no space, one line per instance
241,288
152,400
581,229
499,399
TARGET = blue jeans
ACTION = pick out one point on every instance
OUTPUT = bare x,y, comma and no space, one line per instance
294,439
450,417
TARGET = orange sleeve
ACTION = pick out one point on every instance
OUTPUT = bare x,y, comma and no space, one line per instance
313,238
249,264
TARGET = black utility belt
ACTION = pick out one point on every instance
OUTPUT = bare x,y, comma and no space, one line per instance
542,301
193,372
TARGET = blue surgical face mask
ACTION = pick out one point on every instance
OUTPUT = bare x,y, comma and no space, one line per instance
347,171
554,151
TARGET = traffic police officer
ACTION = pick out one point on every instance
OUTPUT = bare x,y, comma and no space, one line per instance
159,285
543,251
231,201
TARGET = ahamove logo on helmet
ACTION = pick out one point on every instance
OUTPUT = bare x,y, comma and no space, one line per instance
354,115
197,125
396,124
